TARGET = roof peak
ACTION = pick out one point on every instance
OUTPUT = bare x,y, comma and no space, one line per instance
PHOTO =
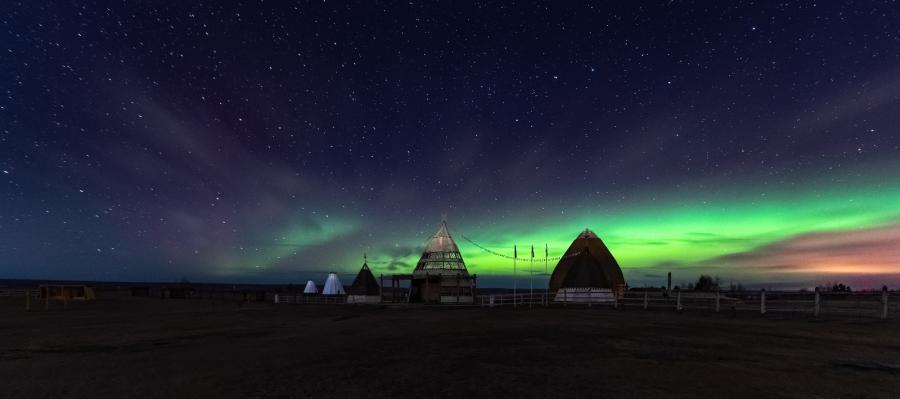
442,230
587,233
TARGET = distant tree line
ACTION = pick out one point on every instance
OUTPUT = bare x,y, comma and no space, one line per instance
835,287
706,283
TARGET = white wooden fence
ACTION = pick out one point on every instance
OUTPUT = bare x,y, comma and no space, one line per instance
311,299
880,304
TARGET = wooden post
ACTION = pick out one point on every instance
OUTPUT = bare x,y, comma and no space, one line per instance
678,306
816,303
276,298
669,285
884,302
718,300
762,301
646,299
27,300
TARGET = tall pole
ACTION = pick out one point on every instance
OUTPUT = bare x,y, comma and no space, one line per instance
515,257
669,284
531,276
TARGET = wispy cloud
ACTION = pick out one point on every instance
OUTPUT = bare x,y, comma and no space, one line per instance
869,257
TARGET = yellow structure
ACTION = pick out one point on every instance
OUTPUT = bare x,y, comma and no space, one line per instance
66,292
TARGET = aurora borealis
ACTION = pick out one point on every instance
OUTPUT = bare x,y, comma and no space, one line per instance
264,142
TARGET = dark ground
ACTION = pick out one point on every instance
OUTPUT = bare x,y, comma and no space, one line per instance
156,348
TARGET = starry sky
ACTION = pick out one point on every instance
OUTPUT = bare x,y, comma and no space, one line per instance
268,141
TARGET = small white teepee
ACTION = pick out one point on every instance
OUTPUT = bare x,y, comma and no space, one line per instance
310,288
333,285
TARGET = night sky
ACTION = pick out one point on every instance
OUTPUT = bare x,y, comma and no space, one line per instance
258,141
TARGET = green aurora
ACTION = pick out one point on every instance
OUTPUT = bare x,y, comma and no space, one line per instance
648,237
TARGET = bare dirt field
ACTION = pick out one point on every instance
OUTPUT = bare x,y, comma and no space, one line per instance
152,348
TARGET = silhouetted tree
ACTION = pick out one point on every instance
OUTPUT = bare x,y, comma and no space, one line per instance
707,283
834,287
840,288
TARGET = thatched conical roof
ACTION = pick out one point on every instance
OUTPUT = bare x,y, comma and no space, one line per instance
587,264
364,283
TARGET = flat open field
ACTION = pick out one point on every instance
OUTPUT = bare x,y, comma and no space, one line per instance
152,348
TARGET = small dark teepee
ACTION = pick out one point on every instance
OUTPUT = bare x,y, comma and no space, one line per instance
365,288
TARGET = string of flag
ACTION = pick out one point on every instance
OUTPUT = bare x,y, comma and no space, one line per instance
516,255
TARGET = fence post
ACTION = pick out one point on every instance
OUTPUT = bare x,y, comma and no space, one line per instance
718,300
884,302
27,300
678,306
762,301
646,299
816,304
276,298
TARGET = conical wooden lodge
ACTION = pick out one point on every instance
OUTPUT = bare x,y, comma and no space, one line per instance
440,275
587,272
